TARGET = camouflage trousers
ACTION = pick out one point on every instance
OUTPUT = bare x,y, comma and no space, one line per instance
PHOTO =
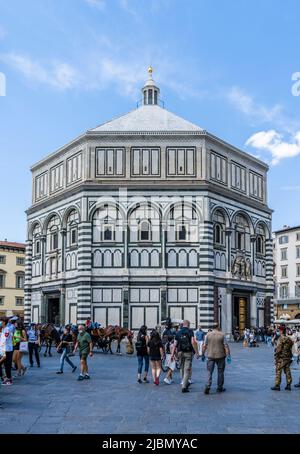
285,367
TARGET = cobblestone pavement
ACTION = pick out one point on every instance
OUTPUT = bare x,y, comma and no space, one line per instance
112,402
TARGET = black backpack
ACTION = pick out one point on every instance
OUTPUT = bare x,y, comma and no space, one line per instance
140,343
184,342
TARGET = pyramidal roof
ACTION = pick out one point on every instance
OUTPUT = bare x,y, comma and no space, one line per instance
149,117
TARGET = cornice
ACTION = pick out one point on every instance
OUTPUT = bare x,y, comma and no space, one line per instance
152,186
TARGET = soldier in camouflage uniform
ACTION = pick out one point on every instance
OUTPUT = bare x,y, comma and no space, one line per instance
283,358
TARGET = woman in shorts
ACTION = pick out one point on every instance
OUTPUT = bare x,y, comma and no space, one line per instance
156,353
18,337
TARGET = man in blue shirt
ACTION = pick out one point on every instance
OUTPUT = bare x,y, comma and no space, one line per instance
34,342
200,335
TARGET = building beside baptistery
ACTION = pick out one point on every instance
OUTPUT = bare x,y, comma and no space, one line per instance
287,272
12,278
148,216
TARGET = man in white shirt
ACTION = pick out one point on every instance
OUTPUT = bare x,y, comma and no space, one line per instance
6,340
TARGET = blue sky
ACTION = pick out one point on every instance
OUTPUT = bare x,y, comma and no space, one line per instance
224,65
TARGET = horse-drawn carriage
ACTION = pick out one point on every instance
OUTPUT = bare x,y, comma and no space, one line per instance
102,338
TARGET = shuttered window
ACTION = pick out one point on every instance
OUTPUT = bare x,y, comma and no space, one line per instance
110,162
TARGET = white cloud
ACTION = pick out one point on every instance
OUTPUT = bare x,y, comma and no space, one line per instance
98,4
274,143
279,145
59,75
246,104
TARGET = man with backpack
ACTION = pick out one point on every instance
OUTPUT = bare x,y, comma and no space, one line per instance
186,345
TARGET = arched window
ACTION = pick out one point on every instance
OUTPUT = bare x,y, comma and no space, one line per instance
36,241
107,225
107,259
172,258
219,228
53,234
73,261
182,258
155,258
193,259
72,229
182,232
97,258
144,224
117,258
144,258
134,258
183,224
242,233
260,239
145,231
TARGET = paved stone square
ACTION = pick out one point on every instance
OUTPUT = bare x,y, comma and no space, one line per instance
112,402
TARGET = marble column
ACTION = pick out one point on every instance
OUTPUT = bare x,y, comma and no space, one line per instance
253,252
228,233
253,309
63,233
227,314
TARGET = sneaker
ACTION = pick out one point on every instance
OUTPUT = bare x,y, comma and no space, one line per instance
59,372
167,381
190,382
139,380
206,390
185,390
145,380
80,378
297,385
74,368
7,383
87,377
288,388
275,388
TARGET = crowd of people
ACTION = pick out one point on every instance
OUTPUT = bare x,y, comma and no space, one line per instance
252,337
181,344
173,347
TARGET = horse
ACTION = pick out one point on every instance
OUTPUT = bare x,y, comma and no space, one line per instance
103,337
49,334
119,333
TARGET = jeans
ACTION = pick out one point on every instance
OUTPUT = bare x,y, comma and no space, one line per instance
221,368
141,360
186,359
64,357
33,347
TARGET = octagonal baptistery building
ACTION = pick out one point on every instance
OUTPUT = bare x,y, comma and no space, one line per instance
149,216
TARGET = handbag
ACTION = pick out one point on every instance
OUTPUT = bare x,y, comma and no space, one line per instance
24,347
